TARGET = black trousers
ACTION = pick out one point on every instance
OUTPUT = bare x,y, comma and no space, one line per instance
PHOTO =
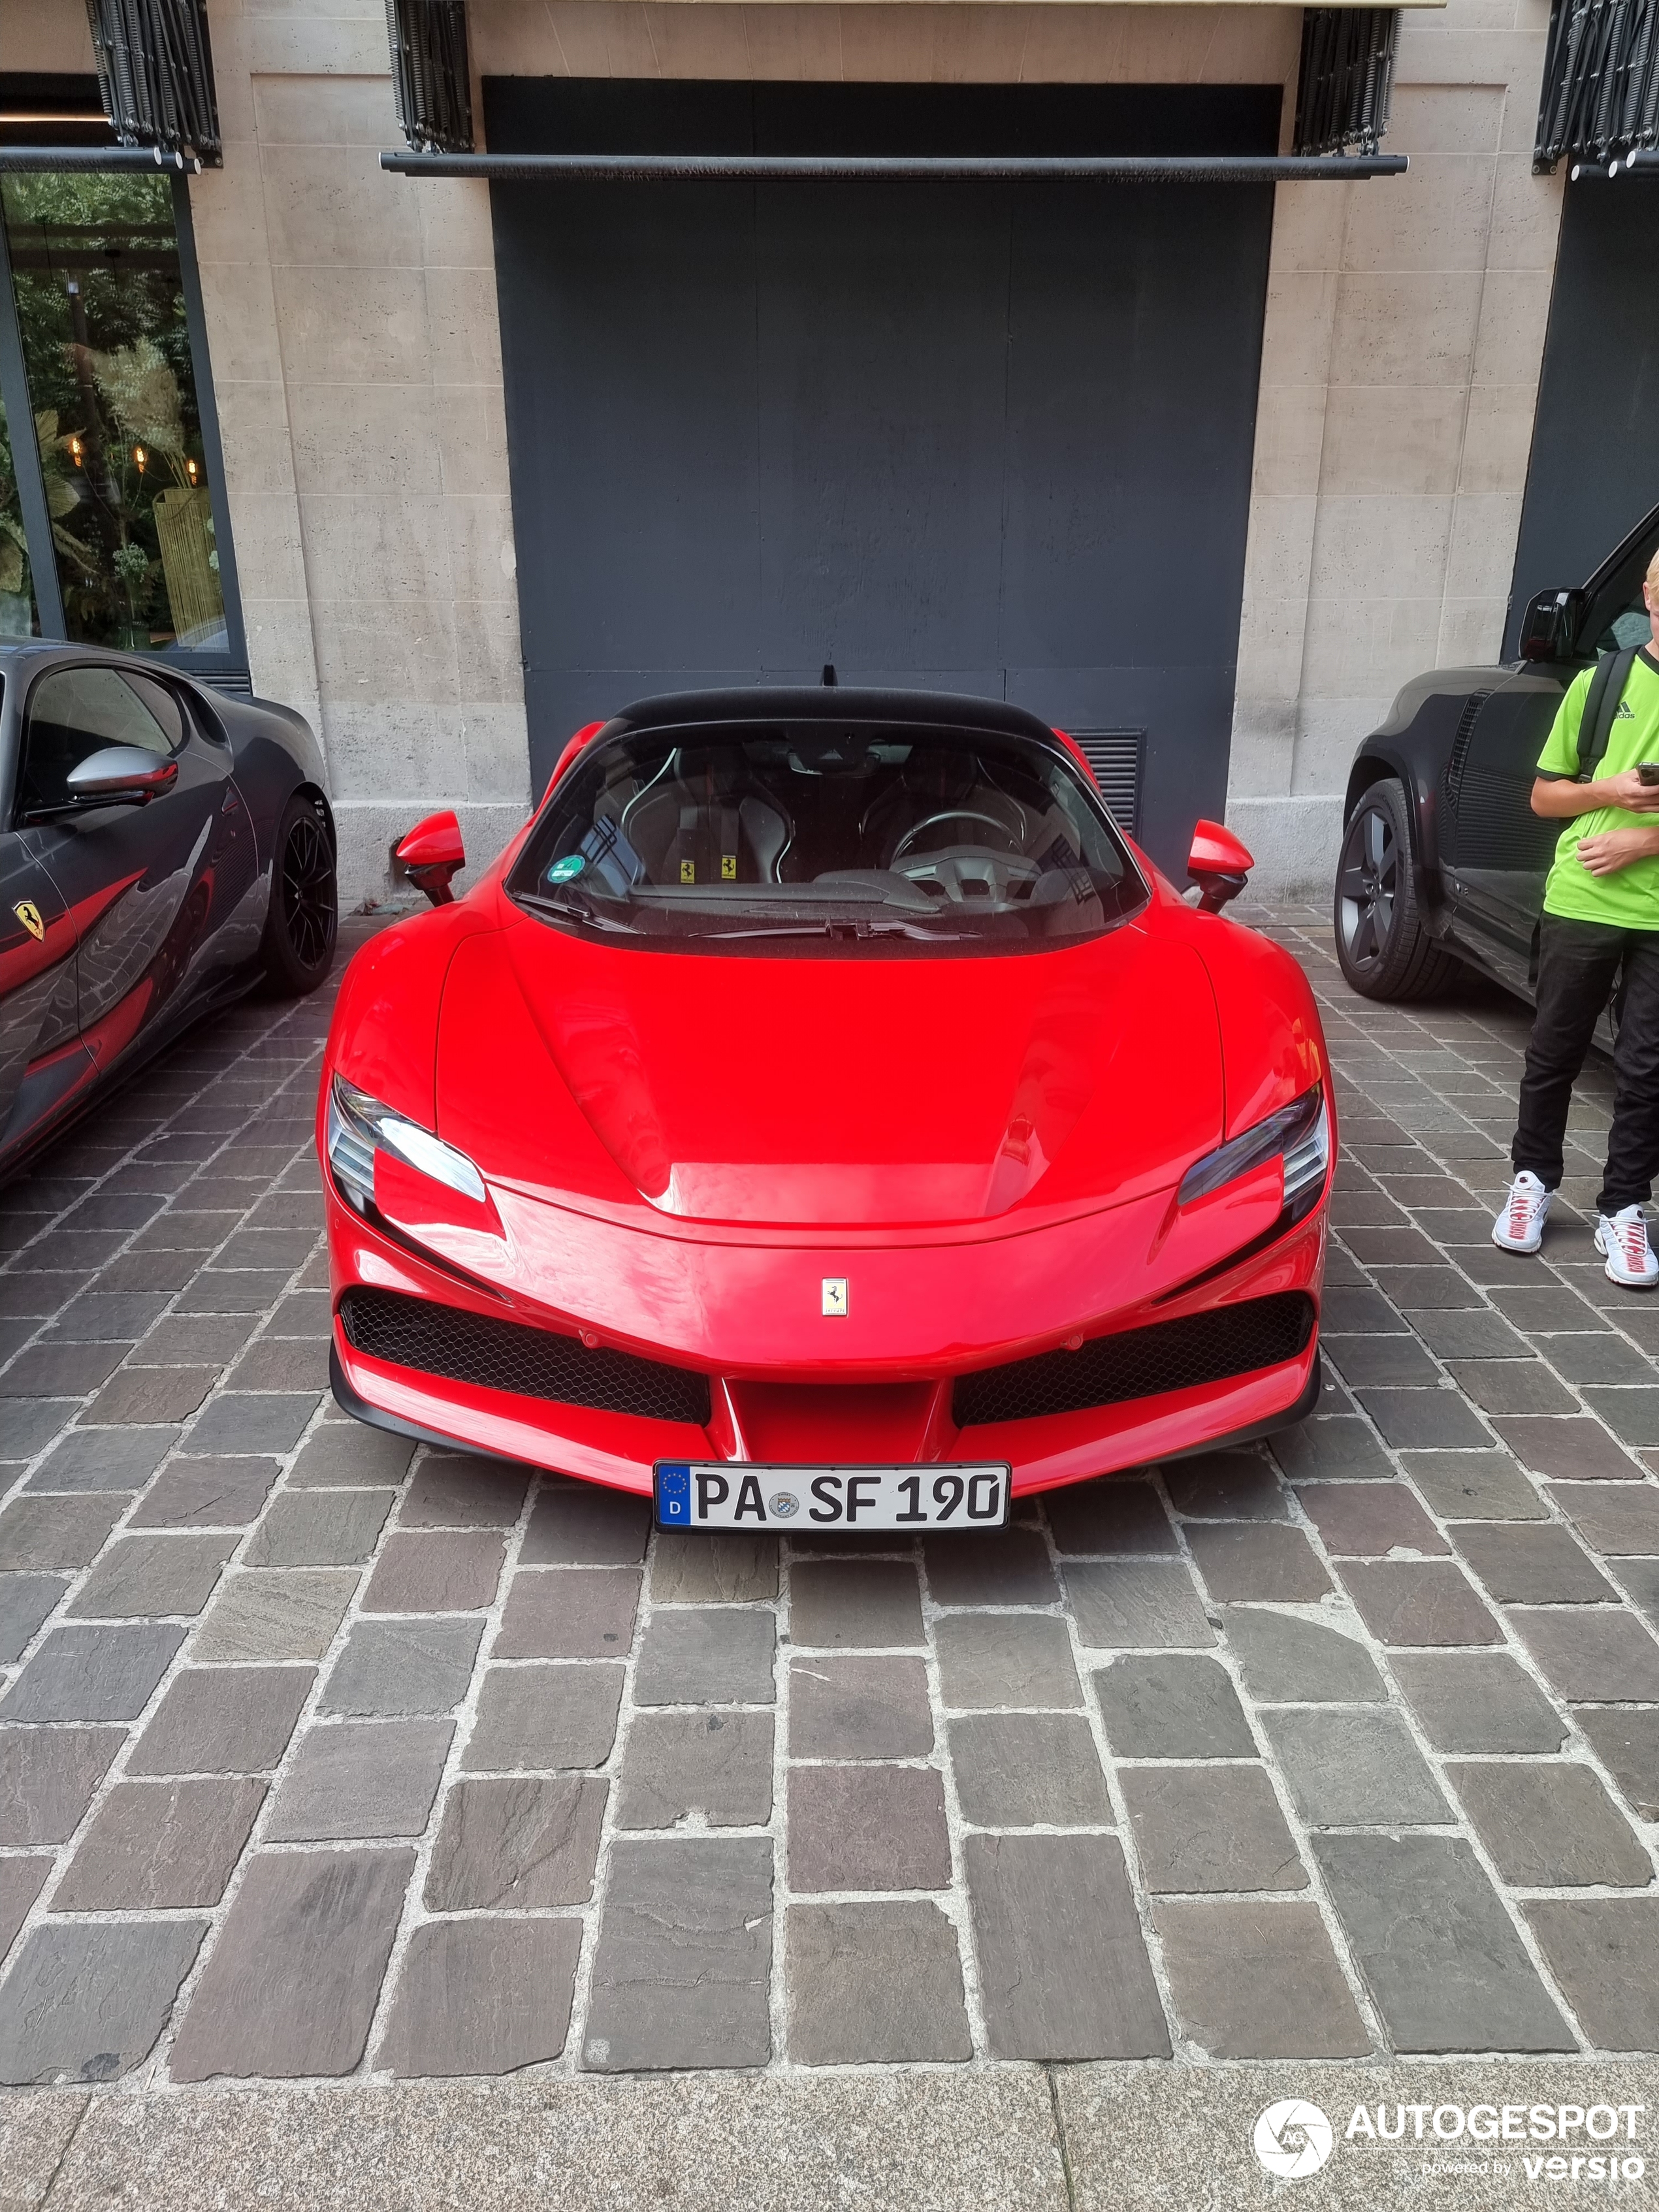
1578,963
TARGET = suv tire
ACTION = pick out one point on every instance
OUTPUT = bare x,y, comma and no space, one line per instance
1382,945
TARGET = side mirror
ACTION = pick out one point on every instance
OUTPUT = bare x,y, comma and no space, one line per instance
121,773
1217,864
431,855
1549,627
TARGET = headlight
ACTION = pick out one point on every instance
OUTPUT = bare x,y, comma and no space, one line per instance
1300,1133
359,1127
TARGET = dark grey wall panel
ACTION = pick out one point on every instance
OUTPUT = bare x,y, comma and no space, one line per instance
1595,467
982,437
1135,349
882,371
632,431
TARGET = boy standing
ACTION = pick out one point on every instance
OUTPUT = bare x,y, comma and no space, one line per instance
1600,918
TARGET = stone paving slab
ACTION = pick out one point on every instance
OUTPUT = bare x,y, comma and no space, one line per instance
958,2141
1099,2137
35,2132
368,1729
1169,2138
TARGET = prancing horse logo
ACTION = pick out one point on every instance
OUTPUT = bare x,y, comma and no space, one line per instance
835,1296
29,914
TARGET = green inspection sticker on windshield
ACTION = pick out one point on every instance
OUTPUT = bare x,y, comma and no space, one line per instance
563,871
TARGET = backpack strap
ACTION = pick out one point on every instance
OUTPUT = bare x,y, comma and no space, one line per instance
1602,701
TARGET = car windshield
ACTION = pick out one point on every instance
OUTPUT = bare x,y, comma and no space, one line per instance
819,837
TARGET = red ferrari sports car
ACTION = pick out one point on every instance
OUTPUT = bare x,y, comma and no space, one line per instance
821,1110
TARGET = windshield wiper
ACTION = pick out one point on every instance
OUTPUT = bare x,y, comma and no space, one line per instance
849,931
570,910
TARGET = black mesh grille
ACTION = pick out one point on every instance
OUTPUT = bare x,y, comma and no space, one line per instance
501,1355
1140,1363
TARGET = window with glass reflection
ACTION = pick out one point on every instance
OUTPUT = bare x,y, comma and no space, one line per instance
101,317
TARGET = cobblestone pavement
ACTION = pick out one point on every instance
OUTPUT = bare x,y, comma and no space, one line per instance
323,1755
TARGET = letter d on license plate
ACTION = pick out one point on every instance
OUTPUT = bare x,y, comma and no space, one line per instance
722,1494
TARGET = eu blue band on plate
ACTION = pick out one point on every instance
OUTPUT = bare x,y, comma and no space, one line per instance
674,1494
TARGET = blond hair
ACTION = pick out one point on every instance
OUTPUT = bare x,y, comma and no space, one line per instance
1652,580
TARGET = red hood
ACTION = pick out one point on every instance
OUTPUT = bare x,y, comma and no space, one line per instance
852,1093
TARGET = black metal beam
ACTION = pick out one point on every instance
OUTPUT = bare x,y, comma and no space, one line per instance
101,159
1644,162
1105,168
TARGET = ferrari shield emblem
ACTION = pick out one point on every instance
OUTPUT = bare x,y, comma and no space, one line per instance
29,914
835,1295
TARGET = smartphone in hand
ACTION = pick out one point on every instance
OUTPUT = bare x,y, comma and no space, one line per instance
1648,771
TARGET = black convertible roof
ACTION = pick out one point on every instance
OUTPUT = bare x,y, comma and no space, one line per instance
828,703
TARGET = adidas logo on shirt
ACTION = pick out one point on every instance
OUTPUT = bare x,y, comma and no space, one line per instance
1627,712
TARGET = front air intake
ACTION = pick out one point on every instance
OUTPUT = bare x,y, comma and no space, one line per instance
503,1355
1140,1362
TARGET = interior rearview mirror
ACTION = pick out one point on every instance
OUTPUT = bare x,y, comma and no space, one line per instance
431,856
1217,864
1549,627
121,773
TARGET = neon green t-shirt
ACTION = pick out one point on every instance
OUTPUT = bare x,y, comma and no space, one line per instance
1629,898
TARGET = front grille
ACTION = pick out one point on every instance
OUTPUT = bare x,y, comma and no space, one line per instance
501,1355
1140,1363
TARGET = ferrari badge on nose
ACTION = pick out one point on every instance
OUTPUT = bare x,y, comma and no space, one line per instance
29,914
835,1294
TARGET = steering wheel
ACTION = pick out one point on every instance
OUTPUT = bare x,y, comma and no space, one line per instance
964,875
951,814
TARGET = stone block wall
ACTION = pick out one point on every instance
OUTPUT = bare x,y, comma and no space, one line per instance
1404,336
351,316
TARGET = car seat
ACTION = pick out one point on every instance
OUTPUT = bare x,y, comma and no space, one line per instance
707,821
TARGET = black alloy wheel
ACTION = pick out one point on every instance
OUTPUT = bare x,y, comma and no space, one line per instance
1367,881
303,920
1382,945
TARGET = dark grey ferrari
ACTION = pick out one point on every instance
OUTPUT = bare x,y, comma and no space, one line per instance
163,849
1443,858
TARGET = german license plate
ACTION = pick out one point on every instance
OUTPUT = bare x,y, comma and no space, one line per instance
719,1494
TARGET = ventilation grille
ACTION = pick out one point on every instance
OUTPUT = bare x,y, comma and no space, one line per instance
532,1363
1497,829
1140,1362
1460,744
1347,78
1116,757
155,74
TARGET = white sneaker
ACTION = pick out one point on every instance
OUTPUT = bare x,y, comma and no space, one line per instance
1623,1242
1520,1226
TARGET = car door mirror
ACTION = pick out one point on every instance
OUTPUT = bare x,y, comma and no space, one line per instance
431,856
120,775
1550,626
1217,864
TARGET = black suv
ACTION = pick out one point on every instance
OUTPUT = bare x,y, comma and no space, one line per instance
1443,858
